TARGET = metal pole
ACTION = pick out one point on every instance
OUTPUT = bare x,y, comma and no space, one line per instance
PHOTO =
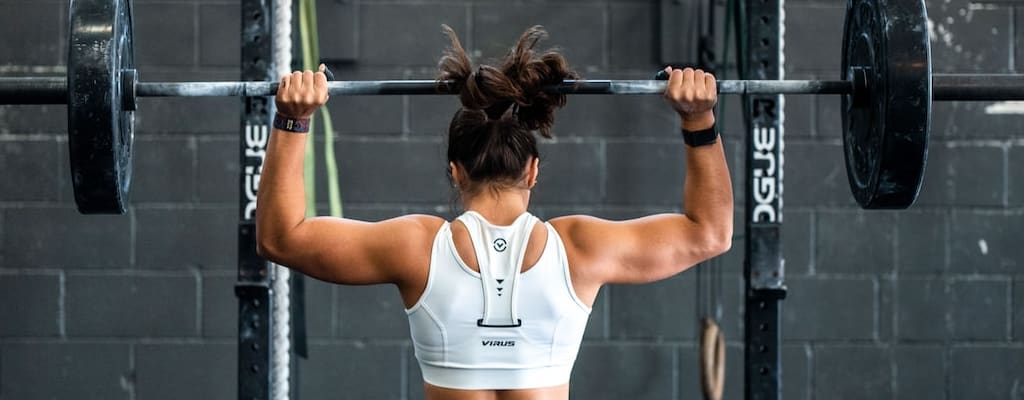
33,91
945,87
763,265
977,87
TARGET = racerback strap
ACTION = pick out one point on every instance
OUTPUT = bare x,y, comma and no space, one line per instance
499,253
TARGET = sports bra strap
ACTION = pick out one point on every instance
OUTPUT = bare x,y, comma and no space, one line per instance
500,251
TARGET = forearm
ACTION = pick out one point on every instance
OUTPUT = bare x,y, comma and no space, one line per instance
281,200
707,191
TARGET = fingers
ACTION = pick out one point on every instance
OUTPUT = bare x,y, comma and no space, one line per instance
693,93
320,84
711,84
301,93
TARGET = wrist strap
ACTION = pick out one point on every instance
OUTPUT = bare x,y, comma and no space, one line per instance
288,124
700,138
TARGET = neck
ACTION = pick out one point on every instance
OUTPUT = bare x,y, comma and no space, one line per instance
500,207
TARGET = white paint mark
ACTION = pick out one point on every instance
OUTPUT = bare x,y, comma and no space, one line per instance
983,246
1005,107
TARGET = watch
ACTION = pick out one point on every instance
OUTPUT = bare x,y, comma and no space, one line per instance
700,138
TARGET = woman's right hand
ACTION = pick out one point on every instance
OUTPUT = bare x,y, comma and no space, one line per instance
693,94
302,93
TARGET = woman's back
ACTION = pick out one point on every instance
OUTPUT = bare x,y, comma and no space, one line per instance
493,161
491,317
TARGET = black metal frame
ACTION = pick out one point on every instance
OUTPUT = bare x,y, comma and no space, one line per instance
255,322
763,264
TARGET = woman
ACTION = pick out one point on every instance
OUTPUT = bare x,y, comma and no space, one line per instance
497,300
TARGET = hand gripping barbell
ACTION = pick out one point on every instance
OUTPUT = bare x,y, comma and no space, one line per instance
887,90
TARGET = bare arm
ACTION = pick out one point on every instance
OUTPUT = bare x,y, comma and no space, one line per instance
656,247
331,249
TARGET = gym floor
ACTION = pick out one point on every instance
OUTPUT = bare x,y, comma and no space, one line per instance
925,303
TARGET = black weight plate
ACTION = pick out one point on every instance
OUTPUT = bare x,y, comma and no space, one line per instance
100,131
885,140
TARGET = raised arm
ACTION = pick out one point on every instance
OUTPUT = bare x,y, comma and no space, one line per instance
659,246
331,249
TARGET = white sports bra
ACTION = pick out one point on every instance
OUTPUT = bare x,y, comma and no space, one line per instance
499,328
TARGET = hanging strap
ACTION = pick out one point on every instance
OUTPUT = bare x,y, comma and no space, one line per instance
500,251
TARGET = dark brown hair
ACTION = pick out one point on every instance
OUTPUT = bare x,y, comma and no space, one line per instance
491,137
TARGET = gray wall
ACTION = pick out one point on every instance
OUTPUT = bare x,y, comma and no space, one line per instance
925,303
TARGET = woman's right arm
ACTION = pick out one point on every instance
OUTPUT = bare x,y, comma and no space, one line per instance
330,249
659,246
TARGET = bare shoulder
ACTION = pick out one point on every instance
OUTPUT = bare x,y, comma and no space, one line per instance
418,225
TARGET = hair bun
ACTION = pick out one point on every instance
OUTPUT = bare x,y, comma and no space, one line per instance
520,80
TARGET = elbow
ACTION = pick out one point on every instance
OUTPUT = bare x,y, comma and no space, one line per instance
268,245
265,249
722,246
718,241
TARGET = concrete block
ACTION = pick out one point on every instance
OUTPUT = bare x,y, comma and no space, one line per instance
922,238
660,310
32,371
193,371
646,172
217,170
36,33
922,309
166,238
819,32
131,305
843,242
36,170
633,36
165,170
986,372
624,371
920,372
835,308
797,241
815,175
220,33
834,365
970,40
366,312
408,34
985,242
392,171
978,309
497,26
61,237
570,173
31,306
343,368
165,34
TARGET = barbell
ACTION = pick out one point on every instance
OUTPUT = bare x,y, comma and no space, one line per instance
887,89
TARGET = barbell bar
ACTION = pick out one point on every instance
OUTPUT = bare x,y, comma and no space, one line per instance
945,87
887,88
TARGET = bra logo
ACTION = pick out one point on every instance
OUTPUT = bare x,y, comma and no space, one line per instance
500,244
498,343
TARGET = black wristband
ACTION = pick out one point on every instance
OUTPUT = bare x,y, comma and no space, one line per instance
288,124
700,138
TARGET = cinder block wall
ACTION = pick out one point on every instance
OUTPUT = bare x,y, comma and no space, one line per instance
925,303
